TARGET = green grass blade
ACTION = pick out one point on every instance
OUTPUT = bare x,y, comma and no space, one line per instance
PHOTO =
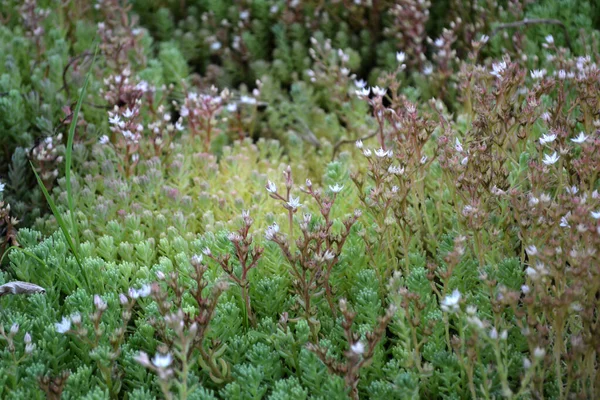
61,224
69,149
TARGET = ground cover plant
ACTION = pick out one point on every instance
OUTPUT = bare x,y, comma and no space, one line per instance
299,200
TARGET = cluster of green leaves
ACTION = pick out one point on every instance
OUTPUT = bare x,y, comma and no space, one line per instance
111,231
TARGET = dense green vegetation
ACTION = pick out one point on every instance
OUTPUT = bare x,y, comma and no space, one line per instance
211,199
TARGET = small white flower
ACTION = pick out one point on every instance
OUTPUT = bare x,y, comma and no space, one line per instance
336,188
377,91
428,70
381,152
206,251
546,116
162,360
364,92
178,126
531,250
99,303
64,326
595,214
231,107
360,83
549,39
451,302
294,203
539,353
458,146
2,186
114,120
128,113
103,139
526,363
525,289
215,46
248,100
580,139
271,231
400,57
367,152
572,189
328,255
197,259
547,138
423,159
359,144
498,69
358,348
439,42
493,334
538,73
562,74
271,187
484,38
395,170
564,221
464,161
550,159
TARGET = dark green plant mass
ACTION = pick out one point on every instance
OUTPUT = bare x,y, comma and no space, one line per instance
282,199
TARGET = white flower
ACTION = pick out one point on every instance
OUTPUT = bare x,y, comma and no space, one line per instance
232,107
2,186
595,214
564,221
547,138
400,57
294,203
359,144
206,251
428,70
458,146
531,250
539,353
64,326
562,74
128,113
538,73
498,69
328,255
580,139
451,302
377,91
360,83
464,161
439,42
197,259
215,46
395,170
367,152
103,139
271,231
271,187
144,291
382,153
248,100
178,126
364,92
423,159
549,39
336,188
546,116
550,159
358,348
525,289
493,334
162,360
484,38
99,303
114,120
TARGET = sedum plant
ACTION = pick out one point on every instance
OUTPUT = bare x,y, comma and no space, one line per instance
443,243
